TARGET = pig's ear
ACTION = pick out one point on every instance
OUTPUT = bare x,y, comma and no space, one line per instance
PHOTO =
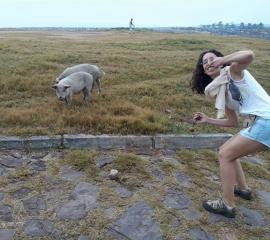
67,86
54,86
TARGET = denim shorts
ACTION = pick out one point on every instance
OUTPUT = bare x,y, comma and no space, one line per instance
259,131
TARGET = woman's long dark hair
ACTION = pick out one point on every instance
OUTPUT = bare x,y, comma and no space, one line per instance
199,79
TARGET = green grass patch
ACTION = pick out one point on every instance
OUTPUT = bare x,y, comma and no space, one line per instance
83,160
132,169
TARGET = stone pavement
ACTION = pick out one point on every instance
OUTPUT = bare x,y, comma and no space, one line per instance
157,195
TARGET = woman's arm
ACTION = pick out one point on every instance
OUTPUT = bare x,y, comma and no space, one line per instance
241,57
238,61
231,121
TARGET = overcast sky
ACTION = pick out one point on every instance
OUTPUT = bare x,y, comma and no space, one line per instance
117,13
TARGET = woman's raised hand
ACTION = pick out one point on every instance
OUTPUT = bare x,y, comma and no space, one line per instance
217,62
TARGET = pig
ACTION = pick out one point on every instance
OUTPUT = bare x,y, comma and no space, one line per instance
74,83
94,70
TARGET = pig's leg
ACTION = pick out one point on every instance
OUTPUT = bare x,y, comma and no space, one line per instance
98,85
68,99
87,94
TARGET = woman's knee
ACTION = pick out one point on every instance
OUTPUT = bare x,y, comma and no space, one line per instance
225,155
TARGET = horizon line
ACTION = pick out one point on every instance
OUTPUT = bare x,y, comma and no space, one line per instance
119,27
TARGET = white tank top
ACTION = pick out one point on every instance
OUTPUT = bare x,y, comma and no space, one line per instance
255,100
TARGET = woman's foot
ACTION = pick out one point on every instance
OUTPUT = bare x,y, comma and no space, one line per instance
219,207
245,194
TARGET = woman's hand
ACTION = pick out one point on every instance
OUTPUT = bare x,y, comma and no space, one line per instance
199,117
217,62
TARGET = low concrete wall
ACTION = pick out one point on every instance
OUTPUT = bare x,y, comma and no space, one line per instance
82,141
107,141
190,141
35,142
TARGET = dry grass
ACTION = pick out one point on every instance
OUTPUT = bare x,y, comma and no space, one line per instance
146,73
83,160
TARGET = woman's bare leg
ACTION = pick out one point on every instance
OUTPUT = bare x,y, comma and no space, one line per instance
235,148
240,176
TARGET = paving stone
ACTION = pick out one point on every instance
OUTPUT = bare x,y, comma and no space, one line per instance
84,198
148,186
178,237
137,224
123,192
265,182
57,193
72,210
39,166
143,151
20,193
170,160
217,218
199,234
109,212
252,217
168,152
177,200
6,213
183,180
70,174
175,222
155,159
16,154
158,174
265,197
230,236
57,235
254,160
2,194
12,162
3,171
82,237
87,193
38,228
7,234
34,205
104,160
39,154
48,157
191,214
53,155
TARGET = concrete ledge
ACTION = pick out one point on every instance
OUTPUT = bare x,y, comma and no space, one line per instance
43,142
210,141
35,142
81,141
107,141
11,142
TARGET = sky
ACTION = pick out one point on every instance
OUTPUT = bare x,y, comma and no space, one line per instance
117,13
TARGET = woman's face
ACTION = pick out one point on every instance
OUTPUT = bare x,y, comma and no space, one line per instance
208,69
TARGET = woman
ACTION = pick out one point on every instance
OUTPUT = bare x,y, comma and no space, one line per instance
255,102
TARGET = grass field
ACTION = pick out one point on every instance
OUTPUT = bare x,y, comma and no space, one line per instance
145,89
